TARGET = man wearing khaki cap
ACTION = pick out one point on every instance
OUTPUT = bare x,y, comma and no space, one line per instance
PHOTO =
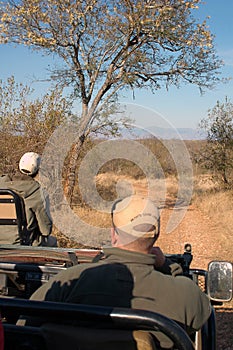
136,227
133,272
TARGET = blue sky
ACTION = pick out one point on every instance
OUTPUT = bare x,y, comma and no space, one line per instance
183,107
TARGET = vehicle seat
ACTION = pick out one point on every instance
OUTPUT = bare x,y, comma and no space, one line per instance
56,337
12,218
86,327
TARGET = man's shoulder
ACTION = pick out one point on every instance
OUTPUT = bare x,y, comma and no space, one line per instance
184,285
76,270
22,184
4,179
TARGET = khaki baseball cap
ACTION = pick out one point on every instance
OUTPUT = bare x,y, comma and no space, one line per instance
137,216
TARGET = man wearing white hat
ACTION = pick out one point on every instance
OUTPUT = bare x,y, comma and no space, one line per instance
39,223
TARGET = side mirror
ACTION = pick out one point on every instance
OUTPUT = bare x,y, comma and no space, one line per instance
219,281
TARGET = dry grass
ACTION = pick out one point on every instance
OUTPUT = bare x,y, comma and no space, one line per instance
93,217
207,196
215,202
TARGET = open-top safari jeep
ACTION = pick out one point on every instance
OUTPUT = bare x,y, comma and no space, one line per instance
24,268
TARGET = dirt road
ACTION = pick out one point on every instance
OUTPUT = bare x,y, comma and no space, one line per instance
204,234
208,243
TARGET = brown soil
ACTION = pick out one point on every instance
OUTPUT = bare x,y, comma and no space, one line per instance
208,243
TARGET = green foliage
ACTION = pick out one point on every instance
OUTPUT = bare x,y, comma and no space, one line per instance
217,154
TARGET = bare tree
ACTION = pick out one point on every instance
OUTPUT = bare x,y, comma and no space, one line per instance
107,46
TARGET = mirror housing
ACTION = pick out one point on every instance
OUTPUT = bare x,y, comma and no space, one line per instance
219,281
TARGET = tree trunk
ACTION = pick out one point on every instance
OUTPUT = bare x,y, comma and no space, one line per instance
71,171
224,177
85,123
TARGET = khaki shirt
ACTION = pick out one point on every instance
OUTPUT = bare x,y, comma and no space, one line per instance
129,279
37,215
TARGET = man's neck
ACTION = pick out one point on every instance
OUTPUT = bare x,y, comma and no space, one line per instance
131,249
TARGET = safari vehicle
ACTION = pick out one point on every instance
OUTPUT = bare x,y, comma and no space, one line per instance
23,269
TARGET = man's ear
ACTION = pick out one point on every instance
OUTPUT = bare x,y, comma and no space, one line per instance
114,237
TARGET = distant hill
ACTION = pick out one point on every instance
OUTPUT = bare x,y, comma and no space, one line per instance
170,133
183,133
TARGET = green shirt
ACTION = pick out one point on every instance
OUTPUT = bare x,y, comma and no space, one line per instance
37,215
129,279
